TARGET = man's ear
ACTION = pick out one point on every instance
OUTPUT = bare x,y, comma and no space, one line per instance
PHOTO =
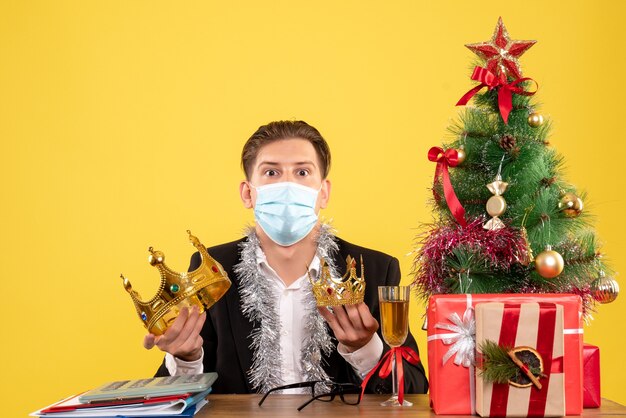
324,193
245,192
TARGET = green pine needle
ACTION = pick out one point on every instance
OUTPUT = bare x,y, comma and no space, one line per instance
496,366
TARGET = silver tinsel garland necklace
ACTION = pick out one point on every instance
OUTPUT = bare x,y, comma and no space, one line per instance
257,296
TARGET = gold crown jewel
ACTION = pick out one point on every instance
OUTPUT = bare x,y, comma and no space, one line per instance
202,288
346,290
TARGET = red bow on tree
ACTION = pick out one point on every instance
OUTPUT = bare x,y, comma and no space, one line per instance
397,353
444,159
505,89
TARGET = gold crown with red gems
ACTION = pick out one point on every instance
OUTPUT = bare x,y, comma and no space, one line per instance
346,290
202,288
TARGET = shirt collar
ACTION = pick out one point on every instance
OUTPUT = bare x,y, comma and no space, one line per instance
261,260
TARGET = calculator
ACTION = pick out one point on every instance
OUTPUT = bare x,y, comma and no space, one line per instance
150,388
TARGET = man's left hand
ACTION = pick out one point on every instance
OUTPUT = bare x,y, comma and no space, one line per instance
353,325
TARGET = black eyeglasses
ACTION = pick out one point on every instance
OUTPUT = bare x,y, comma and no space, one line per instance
325,391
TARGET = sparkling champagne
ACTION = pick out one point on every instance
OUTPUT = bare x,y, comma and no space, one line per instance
394,316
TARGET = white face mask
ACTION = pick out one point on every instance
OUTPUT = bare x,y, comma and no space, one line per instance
286,211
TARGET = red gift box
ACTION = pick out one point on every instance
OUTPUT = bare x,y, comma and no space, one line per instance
591,376
451,329
535,325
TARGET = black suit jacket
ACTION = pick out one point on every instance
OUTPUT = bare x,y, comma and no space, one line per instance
227,331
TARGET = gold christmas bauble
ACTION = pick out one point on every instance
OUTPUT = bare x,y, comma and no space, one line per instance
496,205
549,263
461,154
535,119
605,289
571,205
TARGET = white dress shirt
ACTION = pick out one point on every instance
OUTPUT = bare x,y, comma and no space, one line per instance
292,314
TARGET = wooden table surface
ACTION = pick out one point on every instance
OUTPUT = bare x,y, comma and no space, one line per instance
285,406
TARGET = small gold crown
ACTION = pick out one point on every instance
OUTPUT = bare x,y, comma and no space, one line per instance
347,290
201,287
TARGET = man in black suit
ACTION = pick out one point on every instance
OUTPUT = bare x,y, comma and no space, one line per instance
267,331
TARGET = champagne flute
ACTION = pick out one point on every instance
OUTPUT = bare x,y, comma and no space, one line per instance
394,318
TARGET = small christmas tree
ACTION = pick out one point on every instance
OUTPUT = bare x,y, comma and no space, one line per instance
507,222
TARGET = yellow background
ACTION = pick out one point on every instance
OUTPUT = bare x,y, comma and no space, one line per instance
122,122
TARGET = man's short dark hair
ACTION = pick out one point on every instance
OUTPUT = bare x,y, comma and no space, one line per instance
285,129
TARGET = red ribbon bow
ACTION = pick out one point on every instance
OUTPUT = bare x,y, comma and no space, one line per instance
505,91
406,353
444,159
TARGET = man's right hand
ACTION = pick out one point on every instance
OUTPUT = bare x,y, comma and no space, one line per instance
182,339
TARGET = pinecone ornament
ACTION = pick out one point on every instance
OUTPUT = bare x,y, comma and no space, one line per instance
507,142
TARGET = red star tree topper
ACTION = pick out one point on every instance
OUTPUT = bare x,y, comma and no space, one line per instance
501,53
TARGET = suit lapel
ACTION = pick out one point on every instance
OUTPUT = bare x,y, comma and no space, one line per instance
241,329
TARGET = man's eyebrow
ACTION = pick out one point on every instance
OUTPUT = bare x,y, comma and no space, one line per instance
274,163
